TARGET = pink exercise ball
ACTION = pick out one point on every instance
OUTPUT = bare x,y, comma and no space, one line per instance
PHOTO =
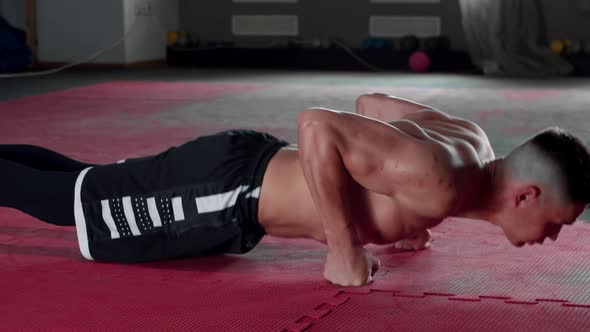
419,62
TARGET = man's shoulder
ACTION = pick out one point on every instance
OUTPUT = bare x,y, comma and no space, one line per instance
470,133
435,114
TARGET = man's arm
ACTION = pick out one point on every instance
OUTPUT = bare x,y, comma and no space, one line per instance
386,108
337,148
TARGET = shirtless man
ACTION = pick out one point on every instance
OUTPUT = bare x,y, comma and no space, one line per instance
384,175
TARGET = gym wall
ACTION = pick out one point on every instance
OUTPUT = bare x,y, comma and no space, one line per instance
147,34
70,30
14,12
346,20
211,20
567,19
73,30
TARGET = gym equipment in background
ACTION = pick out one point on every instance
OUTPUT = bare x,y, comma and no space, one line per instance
419,62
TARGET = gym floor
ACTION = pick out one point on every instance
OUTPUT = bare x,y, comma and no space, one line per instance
471,279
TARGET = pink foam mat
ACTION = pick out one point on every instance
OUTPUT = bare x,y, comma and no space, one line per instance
110,121
278,287
390,311
471,278
142,90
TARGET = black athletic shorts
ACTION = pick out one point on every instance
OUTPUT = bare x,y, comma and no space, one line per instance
197,199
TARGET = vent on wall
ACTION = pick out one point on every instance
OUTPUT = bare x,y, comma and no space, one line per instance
265,25
398,26
266,1
405,1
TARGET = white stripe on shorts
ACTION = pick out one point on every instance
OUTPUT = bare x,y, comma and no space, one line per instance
254,193
177,209
153,211
79,216
130,216
107,216
219,202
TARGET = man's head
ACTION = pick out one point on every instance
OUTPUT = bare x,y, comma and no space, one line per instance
545,184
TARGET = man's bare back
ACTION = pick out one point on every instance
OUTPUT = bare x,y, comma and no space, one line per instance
428,160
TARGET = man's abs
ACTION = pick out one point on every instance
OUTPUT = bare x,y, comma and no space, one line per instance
286,208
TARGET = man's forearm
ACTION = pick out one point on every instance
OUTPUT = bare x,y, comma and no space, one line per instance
338,154
329,183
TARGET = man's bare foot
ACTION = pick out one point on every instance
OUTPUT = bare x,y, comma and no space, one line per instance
416,242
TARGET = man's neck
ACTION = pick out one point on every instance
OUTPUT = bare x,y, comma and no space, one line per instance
484,193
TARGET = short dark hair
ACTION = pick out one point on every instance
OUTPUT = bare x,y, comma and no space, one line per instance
572,156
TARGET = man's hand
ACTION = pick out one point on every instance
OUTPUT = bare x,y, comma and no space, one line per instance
356,270
416,242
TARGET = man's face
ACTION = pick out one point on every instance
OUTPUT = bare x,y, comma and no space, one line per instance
537,222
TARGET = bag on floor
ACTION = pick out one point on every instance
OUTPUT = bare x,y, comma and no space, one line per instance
15,55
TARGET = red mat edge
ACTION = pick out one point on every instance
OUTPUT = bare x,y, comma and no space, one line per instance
344,295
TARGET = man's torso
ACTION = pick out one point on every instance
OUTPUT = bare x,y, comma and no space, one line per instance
461,148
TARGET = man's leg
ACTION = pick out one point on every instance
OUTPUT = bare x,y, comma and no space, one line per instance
40,158
45,195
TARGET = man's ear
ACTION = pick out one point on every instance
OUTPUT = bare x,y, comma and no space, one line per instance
526,195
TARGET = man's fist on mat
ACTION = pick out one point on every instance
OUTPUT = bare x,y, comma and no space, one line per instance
418,241
355,270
